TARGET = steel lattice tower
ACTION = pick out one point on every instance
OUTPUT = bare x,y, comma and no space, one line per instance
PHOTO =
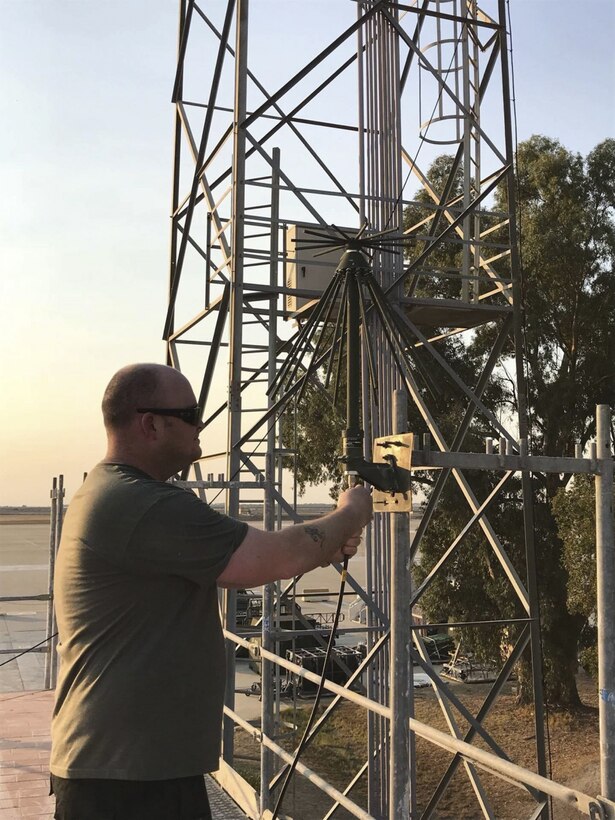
332,142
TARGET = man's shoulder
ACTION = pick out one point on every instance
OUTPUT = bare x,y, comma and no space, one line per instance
116,499
121,491
112,478
112,485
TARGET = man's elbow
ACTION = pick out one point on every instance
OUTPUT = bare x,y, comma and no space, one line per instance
238,575
261,558
230,584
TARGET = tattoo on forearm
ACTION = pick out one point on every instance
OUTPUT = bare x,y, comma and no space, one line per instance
316,535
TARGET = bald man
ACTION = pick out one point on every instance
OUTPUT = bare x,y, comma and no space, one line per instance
138,709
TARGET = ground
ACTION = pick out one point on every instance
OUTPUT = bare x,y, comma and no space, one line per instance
338,753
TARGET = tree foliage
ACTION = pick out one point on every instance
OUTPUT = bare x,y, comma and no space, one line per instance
567,231
574,511
314,433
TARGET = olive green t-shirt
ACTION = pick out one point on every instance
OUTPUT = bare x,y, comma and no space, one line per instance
141,679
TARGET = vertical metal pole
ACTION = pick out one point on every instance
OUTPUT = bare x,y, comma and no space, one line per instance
605,587
526,476
402,783
177,146
236,322
238,219
267,697
365,210
366,169
361,117
58,534
53,494
267,690
474,59
268,503
467,157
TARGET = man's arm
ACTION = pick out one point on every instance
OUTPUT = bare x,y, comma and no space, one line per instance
263,557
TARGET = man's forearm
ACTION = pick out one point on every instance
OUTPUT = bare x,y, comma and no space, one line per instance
314,543
270,556
263,557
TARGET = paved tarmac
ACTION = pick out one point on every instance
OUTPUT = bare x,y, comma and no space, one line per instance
24,755
24,761
24,568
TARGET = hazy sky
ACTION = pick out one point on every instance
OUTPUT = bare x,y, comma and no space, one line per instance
85,176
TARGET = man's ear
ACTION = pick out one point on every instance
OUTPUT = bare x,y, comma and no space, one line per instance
149,425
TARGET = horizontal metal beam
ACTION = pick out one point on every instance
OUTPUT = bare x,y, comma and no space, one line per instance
42,597
503,463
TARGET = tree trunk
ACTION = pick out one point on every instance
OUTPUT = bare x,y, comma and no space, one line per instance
559,665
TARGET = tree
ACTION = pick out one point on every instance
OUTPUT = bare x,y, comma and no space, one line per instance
567,235
314,434
567,238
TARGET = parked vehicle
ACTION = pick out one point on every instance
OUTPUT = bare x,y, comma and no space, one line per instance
291,621
439,647
467,669
313,660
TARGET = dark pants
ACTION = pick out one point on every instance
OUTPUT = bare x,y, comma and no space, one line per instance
181,799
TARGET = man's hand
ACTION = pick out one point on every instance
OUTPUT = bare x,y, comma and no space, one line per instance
359,500
348,550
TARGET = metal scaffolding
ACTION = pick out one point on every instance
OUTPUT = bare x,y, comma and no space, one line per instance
262,152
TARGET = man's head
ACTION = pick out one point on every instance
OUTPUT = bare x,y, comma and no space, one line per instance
142,411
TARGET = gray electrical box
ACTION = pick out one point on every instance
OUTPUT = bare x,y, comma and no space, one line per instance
303,269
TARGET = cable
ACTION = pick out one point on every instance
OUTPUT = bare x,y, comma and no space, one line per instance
25,652
310,723
519,233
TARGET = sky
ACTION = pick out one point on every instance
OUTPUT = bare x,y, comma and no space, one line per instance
85,176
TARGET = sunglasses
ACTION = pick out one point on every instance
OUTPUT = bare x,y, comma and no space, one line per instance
191,415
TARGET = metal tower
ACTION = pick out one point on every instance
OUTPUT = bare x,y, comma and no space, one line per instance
278,134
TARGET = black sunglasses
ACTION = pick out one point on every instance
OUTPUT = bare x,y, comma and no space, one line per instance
191,415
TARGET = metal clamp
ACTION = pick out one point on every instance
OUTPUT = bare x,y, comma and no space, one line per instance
596,812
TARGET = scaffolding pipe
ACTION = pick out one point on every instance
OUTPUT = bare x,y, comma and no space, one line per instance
402,785
53,493
267,668
236,334
54,625
605,588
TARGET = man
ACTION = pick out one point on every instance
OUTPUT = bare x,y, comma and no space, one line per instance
139,697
